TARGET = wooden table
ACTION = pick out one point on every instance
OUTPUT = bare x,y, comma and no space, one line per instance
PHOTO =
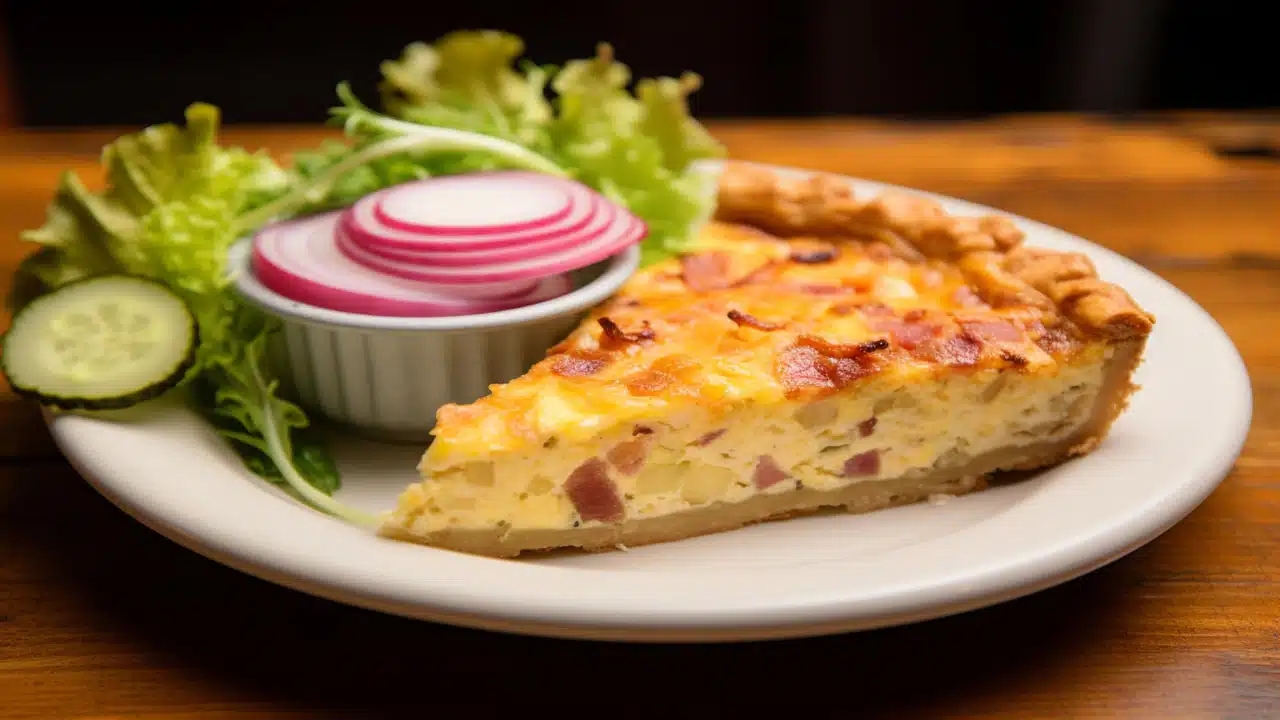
92,625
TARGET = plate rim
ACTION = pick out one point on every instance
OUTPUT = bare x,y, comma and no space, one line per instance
588,619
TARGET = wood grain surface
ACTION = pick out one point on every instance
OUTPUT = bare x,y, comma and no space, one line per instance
93,625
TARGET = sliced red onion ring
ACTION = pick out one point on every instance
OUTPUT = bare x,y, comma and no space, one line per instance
405,270
373,233
487,203
597,212
625,230
300,260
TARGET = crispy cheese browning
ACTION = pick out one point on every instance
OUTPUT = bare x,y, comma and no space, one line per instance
752,318
881,352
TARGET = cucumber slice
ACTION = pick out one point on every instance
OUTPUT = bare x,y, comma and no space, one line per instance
101,343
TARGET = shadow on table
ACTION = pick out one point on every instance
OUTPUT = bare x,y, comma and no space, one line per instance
259,643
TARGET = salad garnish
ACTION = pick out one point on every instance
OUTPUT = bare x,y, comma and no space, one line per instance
637,148
175,201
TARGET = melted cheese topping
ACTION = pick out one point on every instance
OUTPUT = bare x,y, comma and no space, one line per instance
750,320
756,366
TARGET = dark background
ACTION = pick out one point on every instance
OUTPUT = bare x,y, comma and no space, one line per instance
266,62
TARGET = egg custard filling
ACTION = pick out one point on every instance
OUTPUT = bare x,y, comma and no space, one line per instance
813,350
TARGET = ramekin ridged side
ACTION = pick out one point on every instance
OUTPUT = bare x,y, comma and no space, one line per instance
385,377
389,384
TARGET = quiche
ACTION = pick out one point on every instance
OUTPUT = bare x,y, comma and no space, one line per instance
815,350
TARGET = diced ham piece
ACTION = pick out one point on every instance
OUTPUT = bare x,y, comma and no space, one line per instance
767,473
817,363
955,351
992,330
964,296
709,438
593,493
910,335
705,271
866,427
628,456
907,334
863,464
1056,341
763,274
801,367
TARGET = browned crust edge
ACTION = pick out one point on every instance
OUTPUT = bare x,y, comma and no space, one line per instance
861,497
987,249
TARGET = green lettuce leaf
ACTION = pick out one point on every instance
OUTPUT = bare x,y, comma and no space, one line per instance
170,211
357,182
175,201
603,134
466,81
174,205
385,152
637,149
666,119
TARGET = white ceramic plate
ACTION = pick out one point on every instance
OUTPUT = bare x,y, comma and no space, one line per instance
800,577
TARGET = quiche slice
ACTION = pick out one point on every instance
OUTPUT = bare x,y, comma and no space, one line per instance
816,350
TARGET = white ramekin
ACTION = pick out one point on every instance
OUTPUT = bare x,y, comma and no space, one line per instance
384,377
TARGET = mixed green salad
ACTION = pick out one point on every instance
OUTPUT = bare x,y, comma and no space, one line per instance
152,245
